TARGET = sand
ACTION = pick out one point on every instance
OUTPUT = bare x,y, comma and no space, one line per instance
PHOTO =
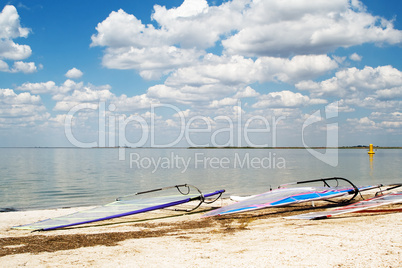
260,239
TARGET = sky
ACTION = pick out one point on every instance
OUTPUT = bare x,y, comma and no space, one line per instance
200,73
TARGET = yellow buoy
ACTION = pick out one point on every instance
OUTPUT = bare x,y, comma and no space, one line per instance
371,152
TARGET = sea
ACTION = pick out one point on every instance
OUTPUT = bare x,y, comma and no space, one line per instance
43,178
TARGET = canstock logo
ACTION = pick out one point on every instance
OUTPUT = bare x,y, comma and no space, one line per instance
330,156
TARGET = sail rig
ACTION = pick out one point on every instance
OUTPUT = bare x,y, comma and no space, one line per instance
121,207
287,196
377,201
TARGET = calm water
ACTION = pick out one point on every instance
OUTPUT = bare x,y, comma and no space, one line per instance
36,178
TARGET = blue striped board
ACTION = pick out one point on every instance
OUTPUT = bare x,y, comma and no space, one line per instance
391,198
283,197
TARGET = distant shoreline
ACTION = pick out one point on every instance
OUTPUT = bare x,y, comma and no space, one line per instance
314,147
228,147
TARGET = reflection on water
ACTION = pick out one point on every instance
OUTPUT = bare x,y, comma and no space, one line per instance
371,164
34,178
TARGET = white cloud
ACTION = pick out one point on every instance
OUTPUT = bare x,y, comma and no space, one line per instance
25,67
152,62
187,9
214,70
380,121
39,88
12,51
247,92
372,103
93,95
3,66
19,66
87,94
285,99
355,57
294,69
281,28
70,85
20,109
362,124
237,70
189,94
74,73
50,87
132,45
8,96
10,24
183,35
393,116
220,77
127,104
354,83
344,107
10,28
223,102
120,30
389,93
195,24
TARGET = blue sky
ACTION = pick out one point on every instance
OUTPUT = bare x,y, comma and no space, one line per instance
200,73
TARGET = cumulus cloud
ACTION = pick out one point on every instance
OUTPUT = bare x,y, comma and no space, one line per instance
93,95
12,51
8,96
223,102
19,66
362,124
260,41
235,70
132,45
382,121
151,62
247,92
154,51
355,57
10,28
50,87
10,22
389,93
39,88
191,95
196,24
124,103
296,68
193,24
20,109
249,28
3,66
213,56
74,73
354,83
373,103
277,28
285,99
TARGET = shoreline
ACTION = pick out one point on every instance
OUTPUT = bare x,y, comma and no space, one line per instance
249,239
201,147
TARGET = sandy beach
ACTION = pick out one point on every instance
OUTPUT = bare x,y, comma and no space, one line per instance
260,239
